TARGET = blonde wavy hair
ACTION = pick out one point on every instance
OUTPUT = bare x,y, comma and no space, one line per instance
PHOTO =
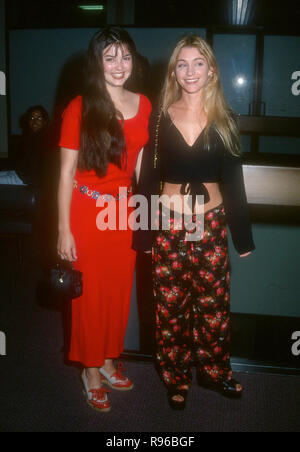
219,115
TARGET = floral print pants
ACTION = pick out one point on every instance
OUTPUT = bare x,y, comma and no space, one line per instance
192,294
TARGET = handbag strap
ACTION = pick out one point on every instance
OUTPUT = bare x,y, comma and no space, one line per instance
157,138
63,264
156,145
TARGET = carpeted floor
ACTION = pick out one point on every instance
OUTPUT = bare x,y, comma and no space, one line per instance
39,393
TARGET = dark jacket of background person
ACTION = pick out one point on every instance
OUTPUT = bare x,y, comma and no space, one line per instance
30,156
29,160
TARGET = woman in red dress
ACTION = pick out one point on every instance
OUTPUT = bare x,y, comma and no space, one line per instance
108,125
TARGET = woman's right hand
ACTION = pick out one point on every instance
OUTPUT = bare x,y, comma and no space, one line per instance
66,247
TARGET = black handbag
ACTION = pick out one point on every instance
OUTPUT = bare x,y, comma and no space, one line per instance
66,282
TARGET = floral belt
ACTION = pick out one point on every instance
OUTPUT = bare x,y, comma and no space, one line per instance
94,194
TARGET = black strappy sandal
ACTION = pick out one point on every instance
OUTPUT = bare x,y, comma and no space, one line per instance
226,388
177,404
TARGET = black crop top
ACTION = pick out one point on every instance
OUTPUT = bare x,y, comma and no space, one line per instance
192,166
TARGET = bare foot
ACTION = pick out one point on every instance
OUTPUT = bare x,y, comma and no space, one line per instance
179,398
93,378
109,367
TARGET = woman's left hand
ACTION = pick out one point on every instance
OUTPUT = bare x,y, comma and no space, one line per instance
245,255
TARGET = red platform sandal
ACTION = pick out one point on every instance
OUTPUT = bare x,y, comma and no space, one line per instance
117,380
96,398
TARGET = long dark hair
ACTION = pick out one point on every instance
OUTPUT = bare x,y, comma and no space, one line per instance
102,138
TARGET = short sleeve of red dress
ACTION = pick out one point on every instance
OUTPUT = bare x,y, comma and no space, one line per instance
71,125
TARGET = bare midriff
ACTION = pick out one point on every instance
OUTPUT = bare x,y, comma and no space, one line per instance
174,189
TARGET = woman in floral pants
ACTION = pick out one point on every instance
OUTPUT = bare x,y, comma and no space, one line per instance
194,149
191,288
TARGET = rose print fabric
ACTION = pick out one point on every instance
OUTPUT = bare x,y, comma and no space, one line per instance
192,294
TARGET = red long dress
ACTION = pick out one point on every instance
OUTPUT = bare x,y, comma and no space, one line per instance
106,258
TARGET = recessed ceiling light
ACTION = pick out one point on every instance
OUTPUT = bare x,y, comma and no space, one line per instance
241,11
91,7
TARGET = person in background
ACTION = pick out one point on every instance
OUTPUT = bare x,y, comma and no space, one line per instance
28,161
194,149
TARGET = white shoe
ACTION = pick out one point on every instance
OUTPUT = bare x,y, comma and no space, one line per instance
96,398
117,380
